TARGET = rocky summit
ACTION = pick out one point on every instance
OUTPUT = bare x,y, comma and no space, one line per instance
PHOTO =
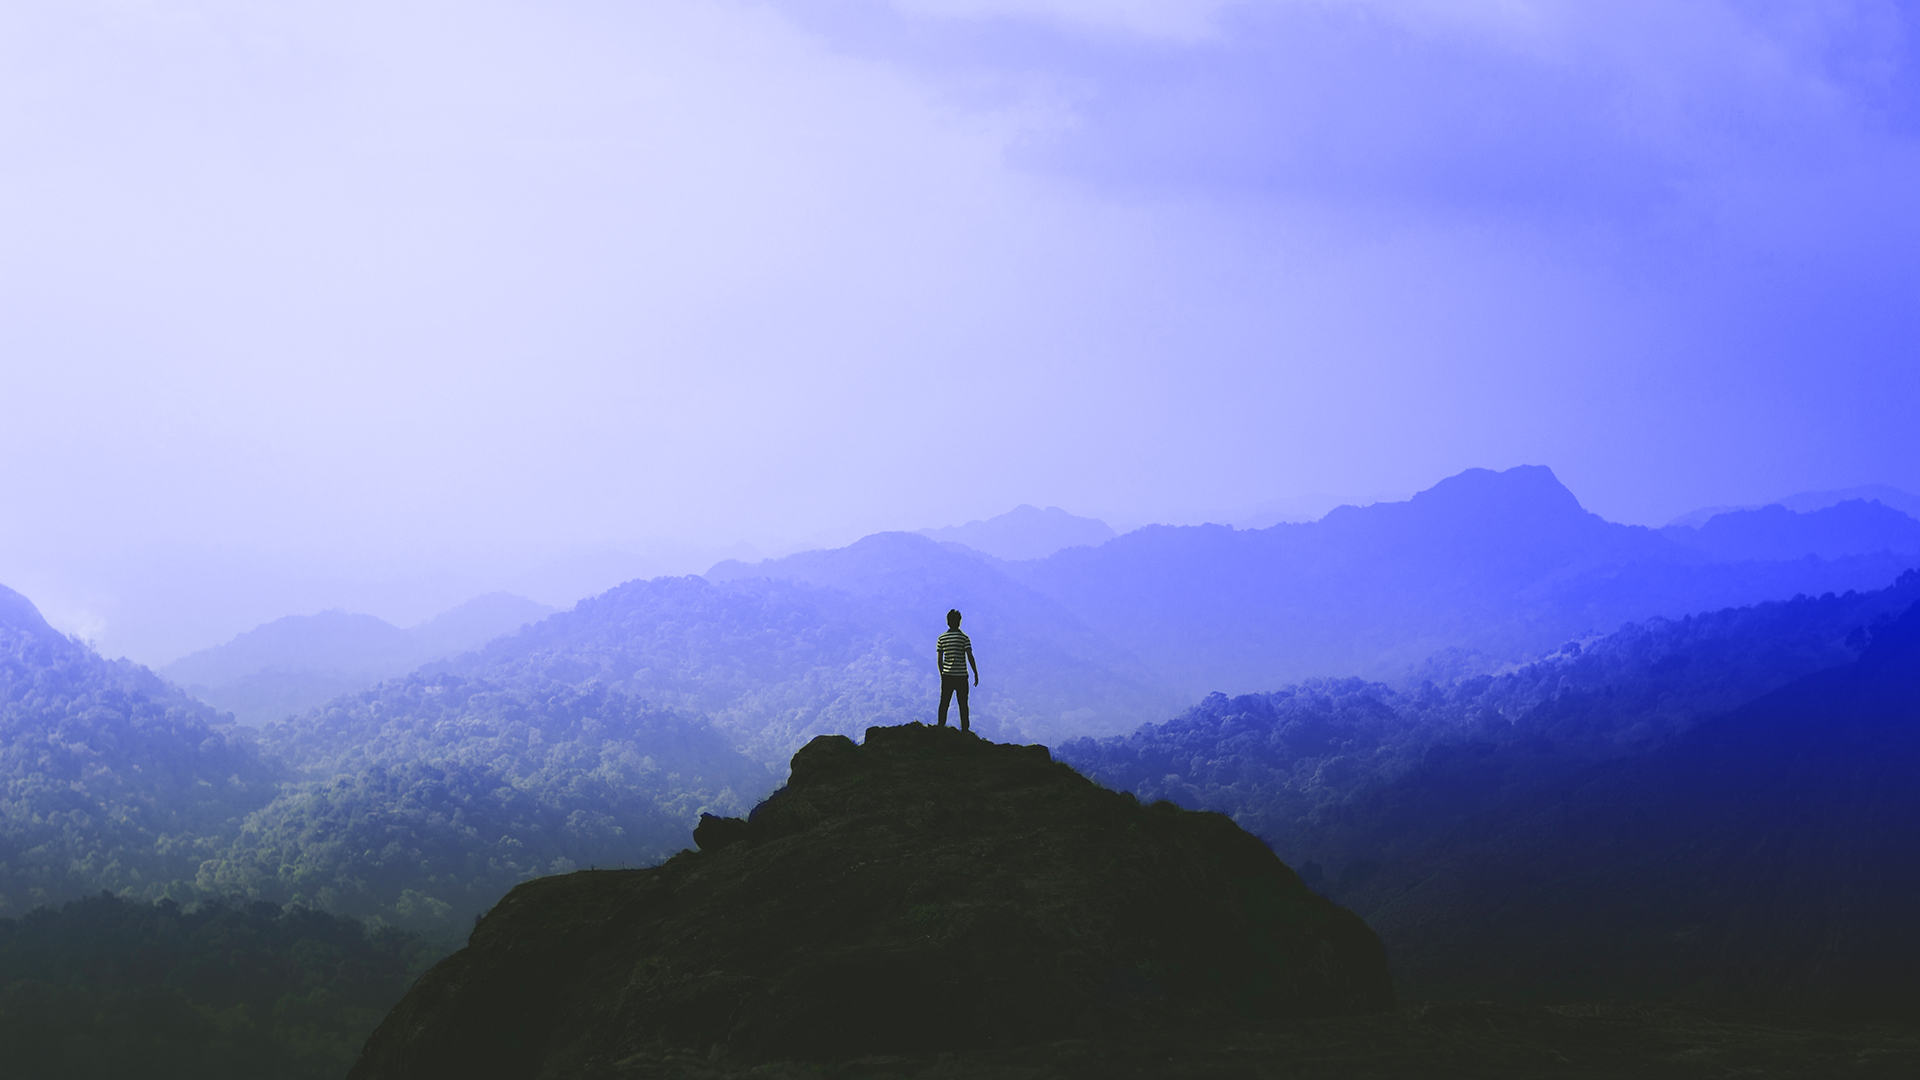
925,891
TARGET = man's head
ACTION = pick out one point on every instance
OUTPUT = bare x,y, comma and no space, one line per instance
953,619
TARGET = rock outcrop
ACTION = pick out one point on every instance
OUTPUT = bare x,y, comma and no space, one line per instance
927,890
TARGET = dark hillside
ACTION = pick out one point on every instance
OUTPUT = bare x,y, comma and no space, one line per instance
102,989
1770,856
925,891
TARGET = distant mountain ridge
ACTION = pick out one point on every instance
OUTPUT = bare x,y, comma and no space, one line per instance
1479,571
1484,568
1504,564
328,641
1806,502
1843,529
1025,532
292,664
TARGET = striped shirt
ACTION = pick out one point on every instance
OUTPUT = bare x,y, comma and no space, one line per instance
954,647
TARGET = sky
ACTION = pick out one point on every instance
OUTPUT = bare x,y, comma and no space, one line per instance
379,305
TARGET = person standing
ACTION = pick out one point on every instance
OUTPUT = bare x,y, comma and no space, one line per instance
954,652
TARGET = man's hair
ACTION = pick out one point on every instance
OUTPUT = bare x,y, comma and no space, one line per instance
953,617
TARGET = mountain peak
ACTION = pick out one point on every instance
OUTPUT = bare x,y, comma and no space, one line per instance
858,567
476,622
1520,489
1522,508
1026,532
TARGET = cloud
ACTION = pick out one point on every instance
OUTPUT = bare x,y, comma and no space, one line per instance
1178,20
1708,197
1624,107
399,257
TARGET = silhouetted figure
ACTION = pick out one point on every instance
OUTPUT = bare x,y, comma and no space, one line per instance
954,653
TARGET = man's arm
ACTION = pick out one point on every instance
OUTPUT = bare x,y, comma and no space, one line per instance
976,665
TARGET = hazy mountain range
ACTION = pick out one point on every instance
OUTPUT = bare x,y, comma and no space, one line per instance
1095,633
1806,502
596,734
1774,533
1025,533
1484,568
774,661
290,665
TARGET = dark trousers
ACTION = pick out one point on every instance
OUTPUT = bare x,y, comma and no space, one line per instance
949,686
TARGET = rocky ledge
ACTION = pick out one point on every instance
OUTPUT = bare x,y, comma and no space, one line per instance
927,890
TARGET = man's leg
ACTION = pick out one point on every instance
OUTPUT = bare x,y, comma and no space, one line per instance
964,726
946,695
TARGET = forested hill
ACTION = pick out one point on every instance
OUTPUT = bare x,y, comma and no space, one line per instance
420,802
109,777
1768,856
1503,564
774,661
425,799
1348,775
